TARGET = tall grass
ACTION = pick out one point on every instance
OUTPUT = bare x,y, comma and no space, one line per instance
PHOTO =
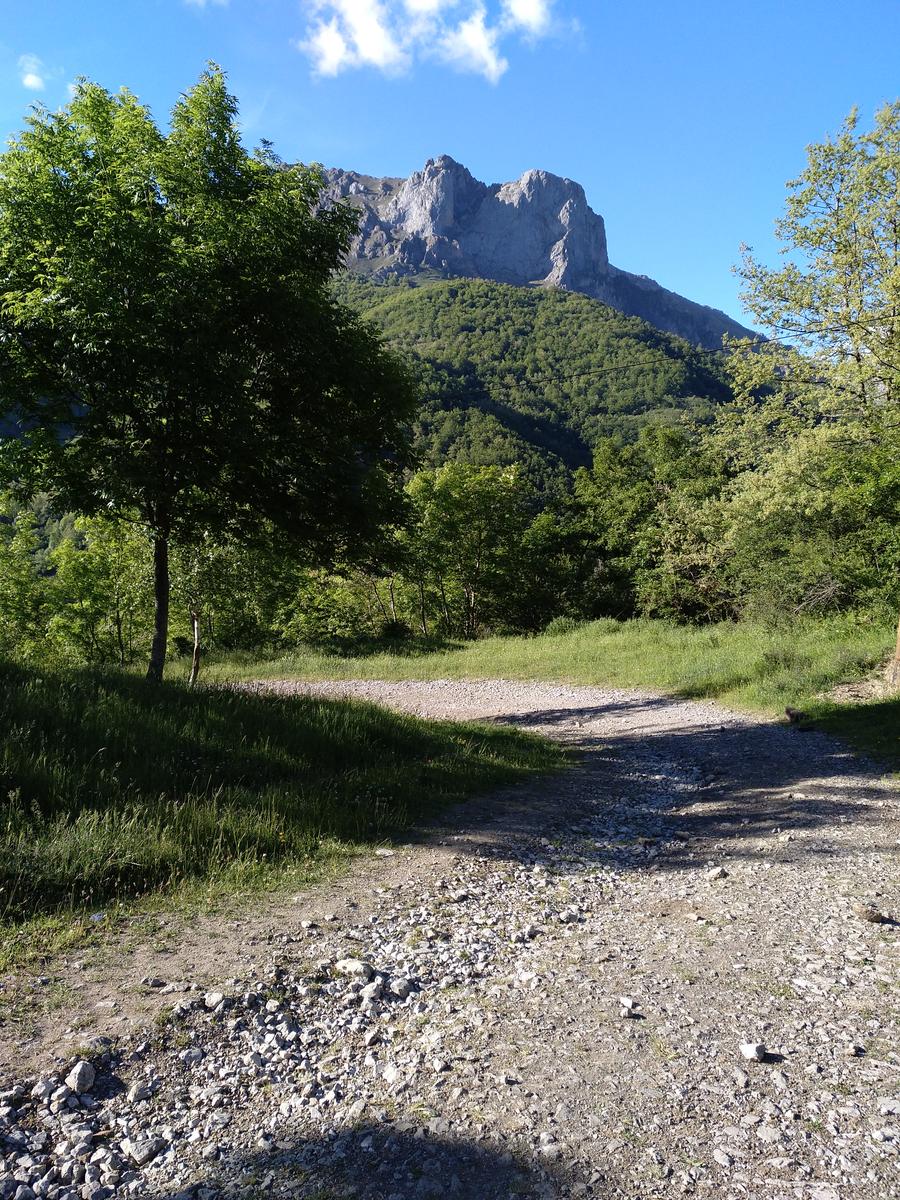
749,666
111,788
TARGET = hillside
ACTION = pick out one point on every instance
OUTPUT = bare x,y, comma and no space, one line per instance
529,375
537,230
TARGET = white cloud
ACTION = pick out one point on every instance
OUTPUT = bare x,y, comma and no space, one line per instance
31,72
427,7
206,3
530,15
472,46
390,35
357,33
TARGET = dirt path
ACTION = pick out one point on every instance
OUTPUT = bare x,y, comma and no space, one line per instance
451,1023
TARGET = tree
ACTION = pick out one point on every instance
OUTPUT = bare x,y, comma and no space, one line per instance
99,592
462,548
837,298
23,592
170,347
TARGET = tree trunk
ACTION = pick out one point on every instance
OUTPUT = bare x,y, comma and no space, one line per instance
120,640
422,609
374,585
448,622
161,597
893,671
195,660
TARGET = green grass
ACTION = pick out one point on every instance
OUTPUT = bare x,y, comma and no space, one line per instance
747,666
873,727
112,789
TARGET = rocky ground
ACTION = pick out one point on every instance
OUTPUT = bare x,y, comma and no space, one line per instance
672,970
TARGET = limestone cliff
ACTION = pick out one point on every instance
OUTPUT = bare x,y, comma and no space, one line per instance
537,230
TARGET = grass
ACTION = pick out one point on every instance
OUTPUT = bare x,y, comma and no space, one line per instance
112,789
873,727
748,666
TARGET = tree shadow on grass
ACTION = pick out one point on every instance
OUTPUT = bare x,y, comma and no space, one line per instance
390,1161
113,787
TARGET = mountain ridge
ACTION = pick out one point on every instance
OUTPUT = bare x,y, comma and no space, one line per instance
538,230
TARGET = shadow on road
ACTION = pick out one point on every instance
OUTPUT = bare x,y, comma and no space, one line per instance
663,793
383,1162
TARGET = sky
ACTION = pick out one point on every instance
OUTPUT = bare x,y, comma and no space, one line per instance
682,120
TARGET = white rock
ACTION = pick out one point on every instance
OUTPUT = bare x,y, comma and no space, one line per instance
400,987
753,1051
354,967
81,1078
142,1150
717,873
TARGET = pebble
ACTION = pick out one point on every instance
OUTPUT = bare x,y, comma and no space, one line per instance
81,1078
753,1051
868,912
142,1150
355,967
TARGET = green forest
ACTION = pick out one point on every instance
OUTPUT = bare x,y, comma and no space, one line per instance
534,377
565,463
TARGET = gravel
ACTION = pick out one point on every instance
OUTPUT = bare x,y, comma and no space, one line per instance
449,1021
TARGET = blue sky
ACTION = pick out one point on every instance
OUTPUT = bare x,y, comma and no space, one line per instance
682,120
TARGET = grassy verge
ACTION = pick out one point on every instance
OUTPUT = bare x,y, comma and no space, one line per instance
112,789
873,727
748,666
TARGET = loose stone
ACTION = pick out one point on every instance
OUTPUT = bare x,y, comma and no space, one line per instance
753,1051
81,1078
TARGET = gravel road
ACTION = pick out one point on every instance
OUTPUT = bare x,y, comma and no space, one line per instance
671,970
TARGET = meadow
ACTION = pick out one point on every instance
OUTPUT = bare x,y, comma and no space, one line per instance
749,666
117,791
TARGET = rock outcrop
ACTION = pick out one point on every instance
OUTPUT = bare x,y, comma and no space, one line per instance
537,230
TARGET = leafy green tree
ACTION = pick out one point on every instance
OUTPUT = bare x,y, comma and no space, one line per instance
100,609
649,509
466,528
169,343
24,594
836,299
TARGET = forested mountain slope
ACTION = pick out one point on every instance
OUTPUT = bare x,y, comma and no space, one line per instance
529,375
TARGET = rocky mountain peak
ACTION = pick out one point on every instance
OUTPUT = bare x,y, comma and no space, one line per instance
536,230
437,200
